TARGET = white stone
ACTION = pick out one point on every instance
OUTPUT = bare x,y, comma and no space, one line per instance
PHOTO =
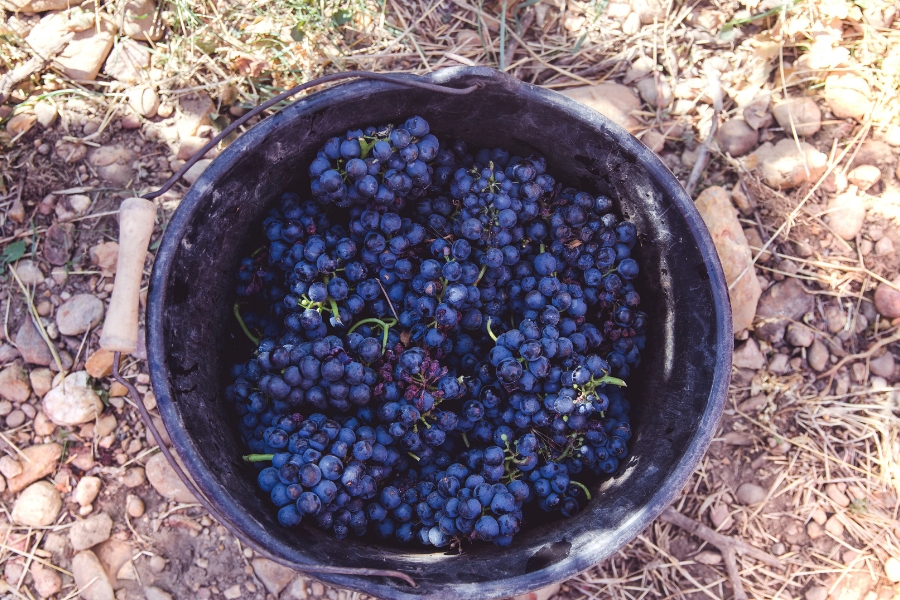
38,505
72,402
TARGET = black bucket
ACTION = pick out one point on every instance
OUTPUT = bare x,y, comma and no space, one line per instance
677,394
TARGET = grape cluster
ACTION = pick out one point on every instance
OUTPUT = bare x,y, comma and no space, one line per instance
443,356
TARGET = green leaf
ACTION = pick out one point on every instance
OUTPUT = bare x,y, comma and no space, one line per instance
297,34
13,252
341,17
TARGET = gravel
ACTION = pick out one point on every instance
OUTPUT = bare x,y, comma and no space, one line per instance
91,531
73,402
750,493
87,489
91,577
164,480
38,505
78,314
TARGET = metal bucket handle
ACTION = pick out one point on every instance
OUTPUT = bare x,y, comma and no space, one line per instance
120,330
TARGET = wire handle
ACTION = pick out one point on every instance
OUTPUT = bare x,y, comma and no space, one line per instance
121,327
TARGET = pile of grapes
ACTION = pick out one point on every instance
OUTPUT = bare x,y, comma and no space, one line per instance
444,341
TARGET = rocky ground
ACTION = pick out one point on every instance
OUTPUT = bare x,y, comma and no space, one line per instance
780,118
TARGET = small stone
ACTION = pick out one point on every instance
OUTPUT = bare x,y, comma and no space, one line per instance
835,318
10,467
84,55
656,91
233,593
8,353
757,113
749,356
778,549
164,480
317,588
887,300
45,113
274,576
43,426
884,247
738,438
91,578
113,164
785,166
128,63
780,364
134,506
20,124
38,462
29,273
90,532
155,593
165,110
750,493
753,403
296,590
113,555
817,592
834,526
864,176
883,366
15,419
734,252
615,101
106,256
14,384
105,426
130,121
192,145
99,365
139,21
158,564
195,110
117,390
127,572
782,302
755,241
47,581
846,214
134,477
708,557
144,101
814,530
804,113
736,137
892,569
848,96
799,335
31,345
72,402
69,152
817,356
837,496
37,506
194,173
78,314
87,489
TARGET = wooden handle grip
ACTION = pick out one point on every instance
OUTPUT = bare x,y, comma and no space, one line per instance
120,330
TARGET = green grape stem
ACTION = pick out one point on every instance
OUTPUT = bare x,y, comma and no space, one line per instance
258,457
240,320
582,486
490,333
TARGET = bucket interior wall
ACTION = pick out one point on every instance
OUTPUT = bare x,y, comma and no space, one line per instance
676,395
